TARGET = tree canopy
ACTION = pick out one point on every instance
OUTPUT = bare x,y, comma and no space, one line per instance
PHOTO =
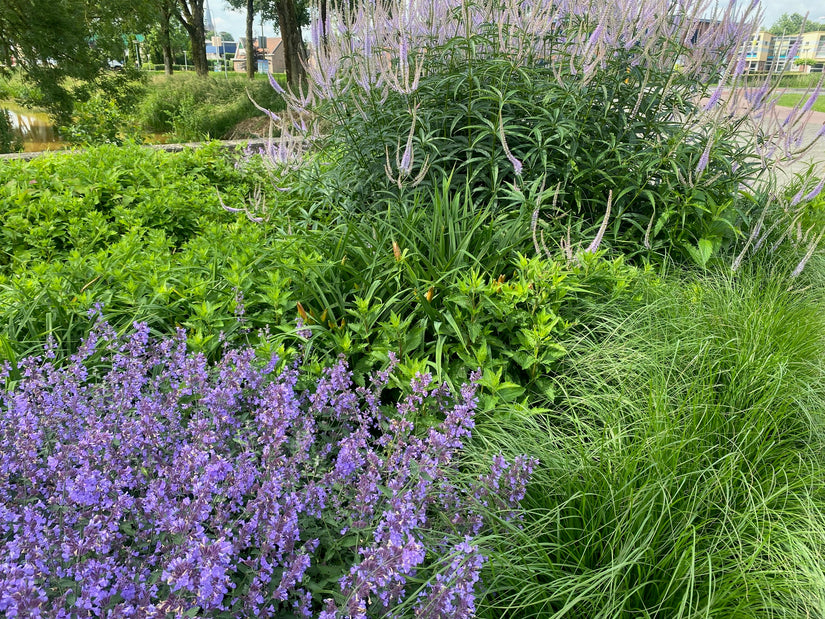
51,40
792,23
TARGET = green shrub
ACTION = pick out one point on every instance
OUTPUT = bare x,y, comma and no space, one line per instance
447,286
99,121
601,112
12,86
142,232
194,108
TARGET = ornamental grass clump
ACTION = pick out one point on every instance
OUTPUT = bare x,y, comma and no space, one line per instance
522,101
136,479
682,466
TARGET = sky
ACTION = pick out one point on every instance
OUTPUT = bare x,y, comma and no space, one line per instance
234,22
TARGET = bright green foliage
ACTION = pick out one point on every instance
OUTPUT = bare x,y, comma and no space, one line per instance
100,121
140,231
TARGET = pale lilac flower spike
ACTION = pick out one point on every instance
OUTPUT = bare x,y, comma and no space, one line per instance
517,166
275,85
703,160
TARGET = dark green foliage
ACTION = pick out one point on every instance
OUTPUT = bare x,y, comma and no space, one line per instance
9,140
579,139
52,40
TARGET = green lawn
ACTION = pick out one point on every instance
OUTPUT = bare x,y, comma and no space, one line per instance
791,100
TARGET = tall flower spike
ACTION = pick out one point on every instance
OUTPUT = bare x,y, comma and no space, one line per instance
704,159
603,228
517,166
404,162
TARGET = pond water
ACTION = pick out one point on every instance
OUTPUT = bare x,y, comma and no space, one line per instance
35,128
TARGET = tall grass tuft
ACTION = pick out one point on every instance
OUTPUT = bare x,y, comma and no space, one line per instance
682,471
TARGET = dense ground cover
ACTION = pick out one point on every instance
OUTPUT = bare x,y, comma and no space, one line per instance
544,345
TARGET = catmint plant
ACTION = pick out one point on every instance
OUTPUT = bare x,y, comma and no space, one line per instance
136,479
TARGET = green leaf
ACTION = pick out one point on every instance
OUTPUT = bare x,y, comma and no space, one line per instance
701,253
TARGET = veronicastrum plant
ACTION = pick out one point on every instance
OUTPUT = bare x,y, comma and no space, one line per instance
643,98
136,479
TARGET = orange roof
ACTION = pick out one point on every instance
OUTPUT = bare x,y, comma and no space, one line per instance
272,43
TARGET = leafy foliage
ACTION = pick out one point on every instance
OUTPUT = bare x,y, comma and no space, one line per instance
142,232
9,140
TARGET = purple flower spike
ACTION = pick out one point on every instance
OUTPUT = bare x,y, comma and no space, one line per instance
275,85
704,159
714,98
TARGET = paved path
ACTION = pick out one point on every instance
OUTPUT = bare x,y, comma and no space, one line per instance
815,155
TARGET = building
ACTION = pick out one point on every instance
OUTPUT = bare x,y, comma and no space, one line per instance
770,52
270,61
217,49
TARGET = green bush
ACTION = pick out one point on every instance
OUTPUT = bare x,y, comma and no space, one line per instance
193,107
99,121
601,114
447,286
10,86
139,230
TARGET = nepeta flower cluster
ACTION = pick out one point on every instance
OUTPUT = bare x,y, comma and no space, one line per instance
136,480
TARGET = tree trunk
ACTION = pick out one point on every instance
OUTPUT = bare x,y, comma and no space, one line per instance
191,17
324,22
294,50
250,49
165,40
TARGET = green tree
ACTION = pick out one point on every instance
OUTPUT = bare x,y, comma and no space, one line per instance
289,21
225,36
190,15
167,39
794,23
251,7
52,40
288,16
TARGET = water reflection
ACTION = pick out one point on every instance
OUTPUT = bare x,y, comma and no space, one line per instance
34,128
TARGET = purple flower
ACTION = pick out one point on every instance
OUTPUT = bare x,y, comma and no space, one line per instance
704,159
167,483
